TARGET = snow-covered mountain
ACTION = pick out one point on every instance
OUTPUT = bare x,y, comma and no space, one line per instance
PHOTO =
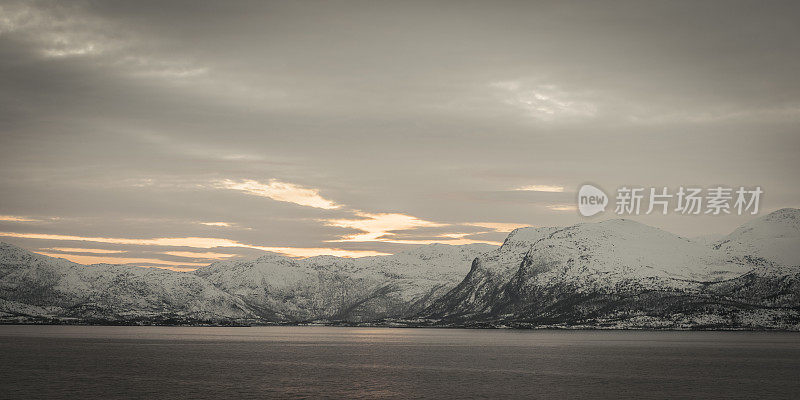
351,289
615,273
773,239
624,274
482,287
271,288
40,288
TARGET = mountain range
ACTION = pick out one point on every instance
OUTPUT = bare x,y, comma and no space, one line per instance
611,274
623,274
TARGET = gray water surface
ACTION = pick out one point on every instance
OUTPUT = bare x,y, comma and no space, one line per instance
96,362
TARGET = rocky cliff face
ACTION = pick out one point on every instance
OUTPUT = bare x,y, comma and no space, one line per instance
481,289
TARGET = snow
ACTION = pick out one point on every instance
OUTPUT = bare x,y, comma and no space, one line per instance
57,287
325,287
773,239
568,272
609,252
757,265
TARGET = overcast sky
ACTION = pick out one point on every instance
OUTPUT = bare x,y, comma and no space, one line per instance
177,133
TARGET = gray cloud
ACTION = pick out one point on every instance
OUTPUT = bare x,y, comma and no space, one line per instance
117,117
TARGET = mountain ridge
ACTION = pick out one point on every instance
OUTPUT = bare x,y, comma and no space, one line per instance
615,272
355,289
611,274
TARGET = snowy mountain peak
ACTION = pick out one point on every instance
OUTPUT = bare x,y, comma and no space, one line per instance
791,215
439,250
622,228
615,269
622,273
526,235
38,286
623,249
12,257
9,252
348,288
773,239
272,257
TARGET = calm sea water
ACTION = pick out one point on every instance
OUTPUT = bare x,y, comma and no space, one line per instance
326,362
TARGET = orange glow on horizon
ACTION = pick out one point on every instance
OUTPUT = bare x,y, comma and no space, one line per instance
195,242
15,218
88,260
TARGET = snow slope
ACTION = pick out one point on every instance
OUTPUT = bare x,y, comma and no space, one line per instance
773,239
608,253
37,286
615,273
482,287
353,289
618,271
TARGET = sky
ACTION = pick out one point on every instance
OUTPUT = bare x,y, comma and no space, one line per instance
174,134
